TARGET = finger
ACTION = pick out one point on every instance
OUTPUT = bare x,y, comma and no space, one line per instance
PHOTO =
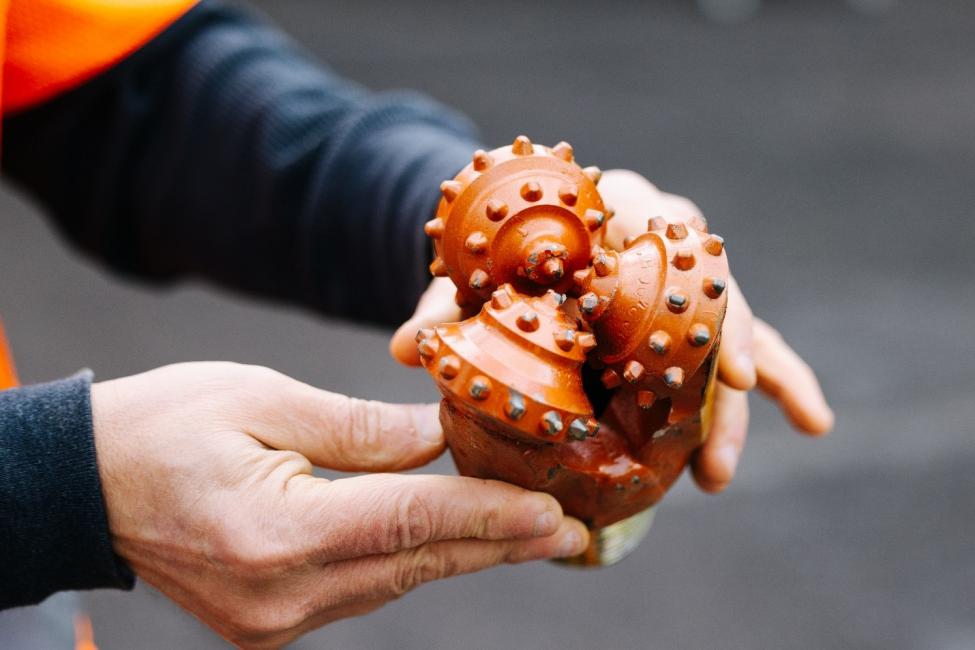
715,462
390,576
386,513
680,207
346,433
634,199
787,379
266,615
436,306
736,363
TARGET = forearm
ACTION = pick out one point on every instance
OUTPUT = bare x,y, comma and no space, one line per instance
53,528
220,150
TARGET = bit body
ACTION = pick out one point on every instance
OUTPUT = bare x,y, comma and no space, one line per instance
580,371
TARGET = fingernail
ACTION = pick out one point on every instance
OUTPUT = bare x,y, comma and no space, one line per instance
426,421
545,524
571,545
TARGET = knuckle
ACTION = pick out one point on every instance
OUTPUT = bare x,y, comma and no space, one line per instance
358,429
414,520
419,568
629,177
257,625
766,332
224,549
683,205
489,522
234,374
242,388
250,632
515,553
247,553
261,374
260,382
367,425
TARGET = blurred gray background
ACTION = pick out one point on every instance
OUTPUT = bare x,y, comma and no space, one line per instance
832,143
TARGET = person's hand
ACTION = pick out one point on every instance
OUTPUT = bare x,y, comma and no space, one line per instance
206,473
752,352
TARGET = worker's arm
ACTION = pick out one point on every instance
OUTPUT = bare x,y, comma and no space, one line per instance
219,149
216,149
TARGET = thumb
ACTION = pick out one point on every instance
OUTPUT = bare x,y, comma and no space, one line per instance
349,434
436,306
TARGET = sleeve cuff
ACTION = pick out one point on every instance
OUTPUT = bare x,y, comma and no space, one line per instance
53,521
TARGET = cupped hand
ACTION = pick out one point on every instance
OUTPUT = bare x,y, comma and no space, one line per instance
206,473
752,352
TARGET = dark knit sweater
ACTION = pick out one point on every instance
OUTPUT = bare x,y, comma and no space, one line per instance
219,150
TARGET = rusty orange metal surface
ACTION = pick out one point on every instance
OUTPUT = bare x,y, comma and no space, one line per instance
525,215
581,371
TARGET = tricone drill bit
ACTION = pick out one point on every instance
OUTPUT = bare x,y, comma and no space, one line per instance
520,233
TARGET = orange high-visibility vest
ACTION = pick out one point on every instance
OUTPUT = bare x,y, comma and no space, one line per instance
48,47
8,375
55,45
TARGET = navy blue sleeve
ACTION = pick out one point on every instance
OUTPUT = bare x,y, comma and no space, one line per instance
221,150
53,524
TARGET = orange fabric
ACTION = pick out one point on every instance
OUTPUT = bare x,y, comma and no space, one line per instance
55,45
8,375
50,46
4,4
